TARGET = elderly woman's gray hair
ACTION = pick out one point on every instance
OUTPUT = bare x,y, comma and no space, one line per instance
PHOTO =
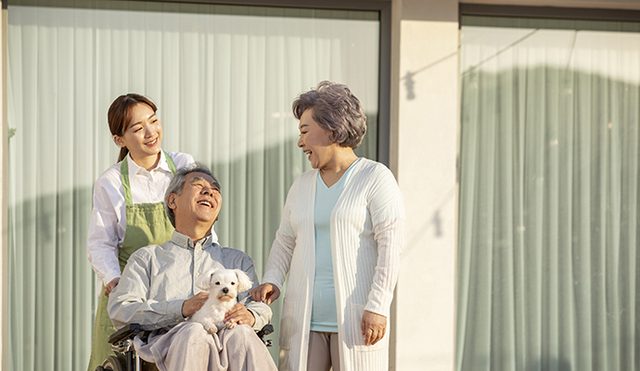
335,109
177,185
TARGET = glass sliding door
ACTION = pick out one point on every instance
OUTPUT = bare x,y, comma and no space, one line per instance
223,77
549,183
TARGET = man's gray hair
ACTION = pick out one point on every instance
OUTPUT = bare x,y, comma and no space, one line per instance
177,185
336,109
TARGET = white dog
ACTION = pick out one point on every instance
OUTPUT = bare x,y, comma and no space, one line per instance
223,286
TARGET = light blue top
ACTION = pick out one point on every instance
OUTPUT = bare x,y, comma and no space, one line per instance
323,309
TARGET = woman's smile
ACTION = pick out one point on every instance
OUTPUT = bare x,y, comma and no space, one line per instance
315,141
143,136
152,143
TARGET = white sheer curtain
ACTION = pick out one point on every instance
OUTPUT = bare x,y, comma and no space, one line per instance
548,227
223,78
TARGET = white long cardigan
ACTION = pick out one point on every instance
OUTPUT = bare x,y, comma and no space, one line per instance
367,228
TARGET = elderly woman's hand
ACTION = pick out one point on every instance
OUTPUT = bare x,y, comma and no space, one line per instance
373,327
265,291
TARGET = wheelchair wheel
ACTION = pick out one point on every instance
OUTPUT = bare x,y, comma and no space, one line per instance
115,363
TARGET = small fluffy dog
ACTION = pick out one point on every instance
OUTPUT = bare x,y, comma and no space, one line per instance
223,286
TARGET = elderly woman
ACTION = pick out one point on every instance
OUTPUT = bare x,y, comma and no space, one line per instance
339,239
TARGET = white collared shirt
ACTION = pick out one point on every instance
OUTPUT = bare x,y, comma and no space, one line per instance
108,219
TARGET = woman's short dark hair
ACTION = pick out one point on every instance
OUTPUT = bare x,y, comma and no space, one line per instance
336,109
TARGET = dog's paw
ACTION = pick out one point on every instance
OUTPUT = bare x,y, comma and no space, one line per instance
230,325
212,329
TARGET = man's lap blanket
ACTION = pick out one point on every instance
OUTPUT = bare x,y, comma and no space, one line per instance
188,346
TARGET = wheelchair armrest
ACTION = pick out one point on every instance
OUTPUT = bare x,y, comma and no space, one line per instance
266,330
126,332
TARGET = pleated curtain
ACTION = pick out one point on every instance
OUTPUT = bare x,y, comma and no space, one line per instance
223,78
548,268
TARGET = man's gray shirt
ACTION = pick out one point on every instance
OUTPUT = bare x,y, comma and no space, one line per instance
158,279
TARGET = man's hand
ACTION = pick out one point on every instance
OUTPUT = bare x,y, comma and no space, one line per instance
240,314
373,327
194,303
110,286
265,291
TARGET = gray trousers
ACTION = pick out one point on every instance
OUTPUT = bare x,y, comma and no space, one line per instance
323,351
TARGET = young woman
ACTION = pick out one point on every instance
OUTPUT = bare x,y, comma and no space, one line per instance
128,212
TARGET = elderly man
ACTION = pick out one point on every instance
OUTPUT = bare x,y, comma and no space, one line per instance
158,288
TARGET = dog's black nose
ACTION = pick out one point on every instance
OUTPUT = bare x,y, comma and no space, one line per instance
225,290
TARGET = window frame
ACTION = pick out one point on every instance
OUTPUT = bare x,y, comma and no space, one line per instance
549,12
577,13
383,7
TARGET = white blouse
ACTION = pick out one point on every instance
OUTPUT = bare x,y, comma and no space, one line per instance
108,219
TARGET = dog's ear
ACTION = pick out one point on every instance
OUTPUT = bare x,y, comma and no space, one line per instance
204,282
244,282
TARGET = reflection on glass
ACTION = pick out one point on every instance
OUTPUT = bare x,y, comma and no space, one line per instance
224,78
548,196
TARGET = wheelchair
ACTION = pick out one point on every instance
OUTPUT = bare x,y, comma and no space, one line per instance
125,357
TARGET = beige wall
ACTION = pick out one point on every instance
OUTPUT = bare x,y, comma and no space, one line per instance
4,148
425,126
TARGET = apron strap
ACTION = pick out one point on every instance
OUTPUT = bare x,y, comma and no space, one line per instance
124,175
172,165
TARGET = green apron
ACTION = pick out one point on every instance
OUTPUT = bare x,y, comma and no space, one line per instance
147,224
